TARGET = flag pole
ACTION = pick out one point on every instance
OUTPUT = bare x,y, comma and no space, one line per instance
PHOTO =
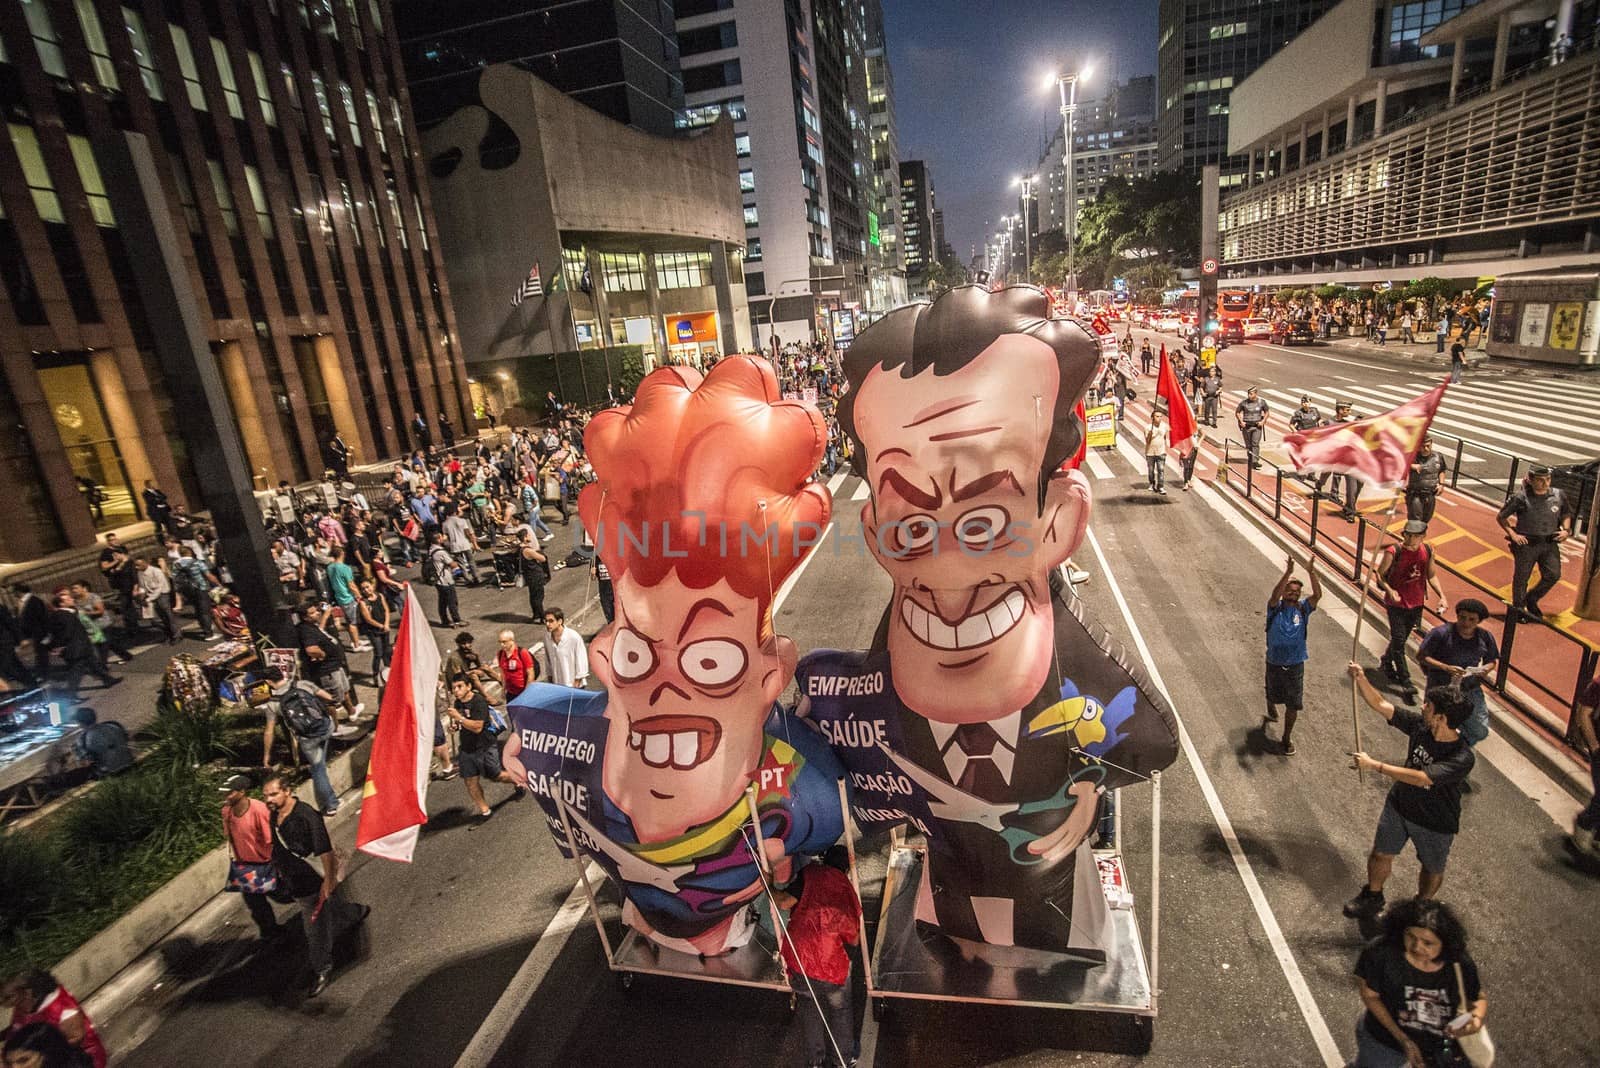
1361,617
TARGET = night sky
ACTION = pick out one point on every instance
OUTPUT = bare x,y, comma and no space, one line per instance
966,88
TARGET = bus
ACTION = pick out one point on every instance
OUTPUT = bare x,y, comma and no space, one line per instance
1235,304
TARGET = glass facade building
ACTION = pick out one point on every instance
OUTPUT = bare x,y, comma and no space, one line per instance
282,144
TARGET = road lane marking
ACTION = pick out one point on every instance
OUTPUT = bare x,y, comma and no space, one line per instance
1309,1010
835,482
1351,363
862,491
1097,464
1268,359
514,999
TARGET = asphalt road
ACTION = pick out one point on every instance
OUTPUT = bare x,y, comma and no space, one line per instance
449,932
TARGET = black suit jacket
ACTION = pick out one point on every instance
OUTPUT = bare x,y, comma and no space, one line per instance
67,635
34,618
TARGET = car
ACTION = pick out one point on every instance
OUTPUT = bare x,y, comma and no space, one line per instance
1295,333
1257,329
1231,331
1166,322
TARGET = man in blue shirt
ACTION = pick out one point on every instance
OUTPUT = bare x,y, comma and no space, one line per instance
1287,615
1461,655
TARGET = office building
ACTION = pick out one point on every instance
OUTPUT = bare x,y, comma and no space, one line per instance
279,170
917,207
886,258
637,242
1207,47
793,76
1394,140
619,58
1114,136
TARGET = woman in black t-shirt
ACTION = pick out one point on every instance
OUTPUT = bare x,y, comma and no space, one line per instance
1412,979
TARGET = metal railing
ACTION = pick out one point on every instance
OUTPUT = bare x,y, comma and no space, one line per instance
1577,658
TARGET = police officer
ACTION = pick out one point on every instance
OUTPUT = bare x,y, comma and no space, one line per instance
1352,486
1251,415
1211,388
1422,485
1306,416
1536,519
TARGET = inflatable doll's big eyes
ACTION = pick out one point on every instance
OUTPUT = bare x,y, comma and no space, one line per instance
912,533
712,662
631,656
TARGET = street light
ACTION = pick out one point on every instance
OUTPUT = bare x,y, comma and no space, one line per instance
1026,182
1068,86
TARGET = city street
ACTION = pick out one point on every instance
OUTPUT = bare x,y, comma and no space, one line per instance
1259,852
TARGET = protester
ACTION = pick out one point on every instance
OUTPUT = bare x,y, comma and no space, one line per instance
298,832
1458,356
1417,982
303,707
247,826
535,568
1155,451
443,569
102,746
194,581
824,918
565,655
35,997
1287,617
342,592
40,1045
462,542
66,633
229,617
376,625
479,757
155,593
1461,655
1424,803
1536,520
517,666
325,658
1405,577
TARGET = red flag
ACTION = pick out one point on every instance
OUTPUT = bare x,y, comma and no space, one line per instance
1181,424
1071,463
1379,450
394,801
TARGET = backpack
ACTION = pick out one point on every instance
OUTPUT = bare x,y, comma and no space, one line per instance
430,569
305,713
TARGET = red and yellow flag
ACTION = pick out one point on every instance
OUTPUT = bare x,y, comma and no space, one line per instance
1378,451
1181,423
394,802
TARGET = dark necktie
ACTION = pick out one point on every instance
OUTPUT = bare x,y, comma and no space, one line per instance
980,777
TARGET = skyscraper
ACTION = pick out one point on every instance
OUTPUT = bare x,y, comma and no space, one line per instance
271,153
917,207
1206,47
619,58
1113,137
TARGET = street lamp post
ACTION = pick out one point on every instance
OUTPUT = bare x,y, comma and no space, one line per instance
1026,182
1068,86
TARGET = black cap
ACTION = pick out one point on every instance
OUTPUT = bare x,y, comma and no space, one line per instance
236,782
1541,469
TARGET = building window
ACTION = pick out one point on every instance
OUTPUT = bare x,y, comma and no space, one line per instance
377,121
573,264
219,185
142,54
747,181
683,270
375,9
752,248
623,271
230,87
394,210
186,65
34,172
355,23
94,37
293,92
399,123
708,39
89,176
321,93
349,100
258,199
741,145
713,76
350,211
45,41
422,226
1228,29
258,74
750,216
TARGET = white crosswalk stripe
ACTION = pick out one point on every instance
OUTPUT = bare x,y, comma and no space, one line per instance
1496,426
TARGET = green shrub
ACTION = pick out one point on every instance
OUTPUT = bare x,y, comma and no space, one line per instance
157,809
31,875
186,739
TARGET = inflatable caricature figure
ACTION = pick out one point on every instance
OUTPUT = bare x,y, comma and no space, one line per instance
700,511
987,713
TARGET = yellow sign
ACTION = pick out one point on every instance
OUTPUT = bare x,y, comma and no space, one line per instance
1208,357
1565,325
1101,422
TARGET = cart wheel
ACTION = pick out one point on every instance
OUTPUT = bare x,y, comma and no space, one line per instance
1144,1034
880,1008
624,981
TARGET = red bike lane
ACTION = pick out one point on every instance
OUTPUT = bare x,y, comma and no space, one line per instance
1545,664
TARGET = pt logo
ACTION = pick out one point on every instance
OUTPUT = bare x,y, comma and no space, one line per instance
773,778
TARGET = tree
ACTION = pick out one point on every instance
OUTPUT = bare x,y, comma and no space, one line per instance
943,275
1429,291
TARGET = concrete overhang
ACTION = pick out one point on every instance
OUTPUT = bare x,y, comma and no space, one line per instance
1482,20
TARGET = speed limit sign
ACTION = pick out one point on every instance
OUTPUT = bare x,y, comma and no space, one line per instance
1209,266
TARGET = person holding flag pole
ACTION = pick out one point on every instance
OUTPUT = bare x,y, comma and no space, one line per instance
394,800
1378,450
1182,429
